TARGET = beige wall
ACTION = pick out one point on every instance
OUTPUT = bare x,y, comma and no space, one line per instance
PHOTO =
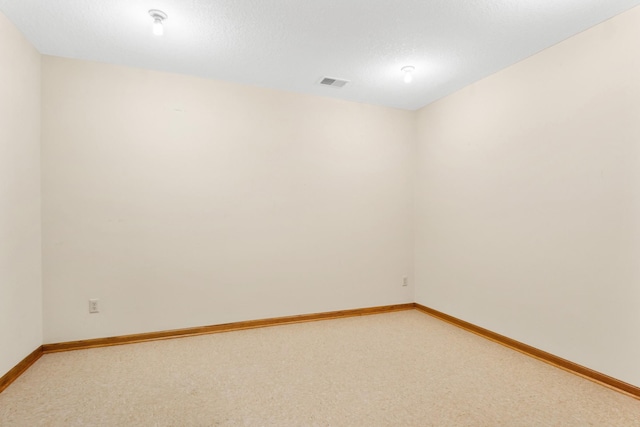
528,200
179,202
20,261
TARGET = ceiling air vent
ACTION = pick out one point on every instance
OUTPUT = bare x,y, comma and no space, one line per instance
330,81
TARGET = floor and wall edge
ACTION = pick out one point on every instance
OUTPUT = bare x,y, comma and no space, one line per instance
556,361
552,359
226,327
20,368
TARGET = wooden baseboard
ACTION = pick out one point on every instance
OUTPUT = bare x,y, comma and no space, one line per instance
554,360
559,362
202,330
20,368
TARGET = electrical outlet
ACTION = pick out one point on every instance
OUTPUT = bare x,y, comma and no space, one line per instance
405,281
93,306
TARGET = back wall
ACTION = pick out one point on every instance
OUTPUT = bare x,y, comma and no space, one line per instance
178,202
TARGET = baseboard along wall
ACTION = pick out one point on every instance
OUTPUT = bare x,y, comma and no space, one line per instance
556,361
552,359
20,368
226,327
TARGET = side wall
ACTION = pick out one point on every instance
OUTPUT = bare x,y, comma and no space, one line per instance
20,224
528,200
180,202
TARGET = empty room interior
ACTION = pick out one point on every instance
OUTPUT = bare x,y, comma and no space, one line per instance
330,213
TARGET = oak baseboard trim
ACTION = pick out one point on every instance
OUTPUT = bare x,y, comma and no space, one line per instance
541,355
20,368
212,329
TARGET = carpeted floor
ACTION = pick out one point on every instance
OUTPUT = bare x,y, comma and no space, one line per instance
396,369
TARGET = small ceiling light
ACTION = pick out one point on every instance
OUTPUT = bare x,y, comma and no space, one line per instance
158,16
408,73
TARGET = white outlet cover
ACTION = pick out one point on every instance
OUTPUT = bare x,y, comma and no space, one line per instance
93,306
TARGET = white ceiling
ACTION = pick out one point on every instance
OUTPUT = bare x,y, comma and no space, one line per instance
291,44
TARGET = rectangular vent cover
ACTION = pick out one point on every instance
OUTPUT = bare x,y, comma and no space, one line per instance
333,82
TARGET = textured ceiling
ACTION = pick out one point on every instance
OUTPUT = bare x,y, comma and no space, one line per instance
291,44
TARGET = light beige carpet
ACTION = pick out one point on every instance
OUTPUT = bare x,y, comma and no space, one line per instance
396,369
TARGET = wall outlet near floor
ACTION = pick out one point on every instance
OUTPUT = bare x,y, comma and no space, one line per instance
405,281
93,306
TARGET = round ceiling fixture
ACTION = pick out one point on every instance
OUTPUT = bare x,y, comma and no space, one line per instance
158,16
408,73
